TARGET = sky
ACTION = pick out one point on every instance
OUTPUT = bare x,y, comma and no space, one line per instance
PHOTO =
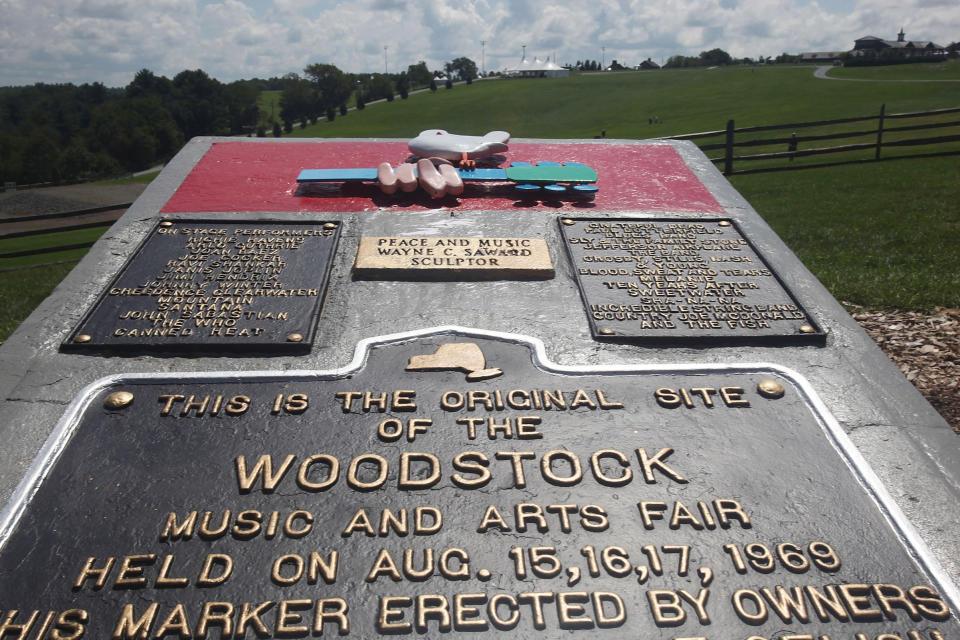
108,41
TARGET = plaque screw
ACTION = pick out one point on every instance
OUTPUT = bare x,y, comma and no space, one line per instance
724,223
807,329
166,223
118,400
294,337
484,574
606,332
567,221
770,389
82,338
329,225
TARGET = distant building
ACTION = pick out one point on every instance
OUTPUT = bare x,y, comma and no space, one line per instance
908,47
872,45
649,64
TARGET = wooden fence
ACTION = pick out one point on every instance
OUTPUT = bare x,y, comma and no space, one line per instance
744,137
71,216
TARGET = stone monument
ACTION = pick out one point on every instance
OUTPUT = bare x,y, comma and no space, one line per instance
261,408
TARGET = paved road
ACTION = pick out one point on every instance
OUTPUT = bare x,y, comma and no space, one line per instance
821,72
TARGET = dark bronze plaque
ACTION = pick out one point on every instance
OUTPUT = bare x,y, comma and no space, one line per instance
444,485
213,287
666,280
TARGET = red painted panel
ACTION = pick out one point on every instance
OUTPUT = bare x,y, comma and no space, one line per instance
245,176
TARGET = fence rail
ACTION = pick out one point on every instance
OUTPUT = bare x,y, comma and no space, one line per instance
77,214
739,138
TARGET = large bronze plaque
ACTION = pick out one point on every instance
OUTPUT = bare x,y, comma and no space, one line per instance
683,280
449,258
215,286
456,485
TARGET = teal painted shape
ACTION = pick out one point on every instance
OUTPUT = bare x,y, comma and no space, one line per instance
520,164
556,188
528,187
548,164
483,175
337,175
552,175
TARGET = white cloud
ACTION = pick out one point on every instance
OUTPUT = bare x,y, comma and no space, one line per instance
110,40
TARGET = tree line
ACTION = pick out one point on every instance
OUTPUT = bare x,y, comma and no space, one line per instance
63,132
66,133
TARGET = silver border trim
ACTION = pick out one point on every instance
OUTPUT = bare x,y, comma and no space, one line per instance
865,476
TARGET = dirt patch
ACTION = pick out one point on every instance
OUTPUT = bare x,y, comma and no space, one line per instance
926,348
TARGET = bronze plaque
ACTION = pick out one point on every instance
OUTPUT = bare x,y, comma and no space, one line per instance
681,280
450,484
443,258
215,287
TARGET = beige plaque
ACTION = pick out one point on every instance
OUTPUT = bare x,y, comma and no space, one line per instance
436,258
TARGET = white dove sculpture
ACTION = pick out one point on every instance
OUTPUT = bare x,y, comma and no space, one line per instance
464,150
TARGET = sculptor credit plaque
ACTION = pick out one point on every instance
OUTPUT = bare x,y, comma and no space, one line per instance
683,280
446,258
446,485
215,286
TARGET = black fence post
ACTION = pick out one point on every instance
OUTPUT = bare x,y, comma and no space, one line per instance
728,150
883,109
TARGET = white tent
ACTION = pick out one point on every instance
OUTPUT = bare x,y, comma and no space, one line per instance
537,69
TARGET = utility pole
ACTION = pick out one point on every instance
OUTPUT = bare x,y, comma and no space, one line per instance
524,52
385,60
603,53
483,51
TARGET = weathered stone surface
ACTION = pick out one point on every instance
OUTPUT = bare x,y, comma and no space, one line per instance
906,443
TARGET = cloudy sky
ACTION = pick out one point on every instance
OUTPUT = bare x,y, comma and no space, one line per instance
110,40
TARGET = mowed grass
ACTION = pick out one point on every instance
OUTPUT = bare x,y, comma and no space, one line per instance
622,104
946,70
144,178
43,240
881,235
22,290
269,104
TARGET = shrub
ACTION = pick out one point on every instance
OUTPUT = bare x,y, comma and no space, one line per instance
331,114
449,84
276,130
343,109
433,85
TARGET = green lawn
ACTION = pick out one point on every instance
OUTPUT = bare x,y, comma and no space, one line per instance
946,70
685,101
21,291
58,238
881,235
269,104
145,178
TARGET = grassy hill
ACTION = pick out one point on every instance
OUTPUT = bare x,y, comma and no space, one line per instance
685,101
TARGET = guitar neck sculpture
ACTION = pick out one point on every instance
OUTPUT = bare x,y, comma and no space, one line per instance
550,176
